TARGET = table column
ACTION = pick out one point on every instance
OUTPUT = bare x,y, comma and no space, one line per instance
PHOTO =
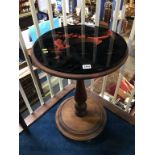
80,98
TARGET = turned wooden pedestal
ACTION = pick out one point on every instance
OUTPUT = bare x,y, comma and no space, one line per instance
80,117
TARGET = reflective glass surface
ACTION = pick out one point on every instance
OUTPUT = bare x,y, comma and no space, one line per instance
80,49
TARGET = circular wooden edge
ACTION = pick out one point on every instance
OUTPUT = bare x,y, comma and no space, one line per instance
76,76
82,136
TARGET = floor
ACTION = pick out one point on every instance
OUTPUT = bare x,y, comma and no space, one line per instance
43,138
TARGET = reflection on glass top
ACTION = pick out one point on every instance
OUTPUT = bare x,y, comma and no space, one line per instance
80,49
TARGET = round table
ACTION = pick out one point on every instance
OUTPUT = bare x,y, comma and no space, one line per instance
80,52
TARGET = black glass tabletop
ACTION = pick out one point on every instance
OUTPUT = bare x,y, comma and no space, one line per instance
79,52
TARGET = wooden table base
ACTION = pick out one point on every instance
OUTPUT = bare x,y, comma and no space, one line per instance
81,128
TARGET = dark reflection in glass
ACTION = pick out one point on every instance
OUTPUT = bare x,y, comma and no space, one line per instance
41,47
66,40
80,49
111,44
83,40
95,45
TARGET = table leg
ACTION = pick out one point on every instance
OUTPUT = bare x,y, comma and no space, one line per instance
80,98
81,117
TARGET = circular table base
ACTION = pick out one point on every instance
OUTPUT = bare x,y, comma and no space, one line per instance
81,128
